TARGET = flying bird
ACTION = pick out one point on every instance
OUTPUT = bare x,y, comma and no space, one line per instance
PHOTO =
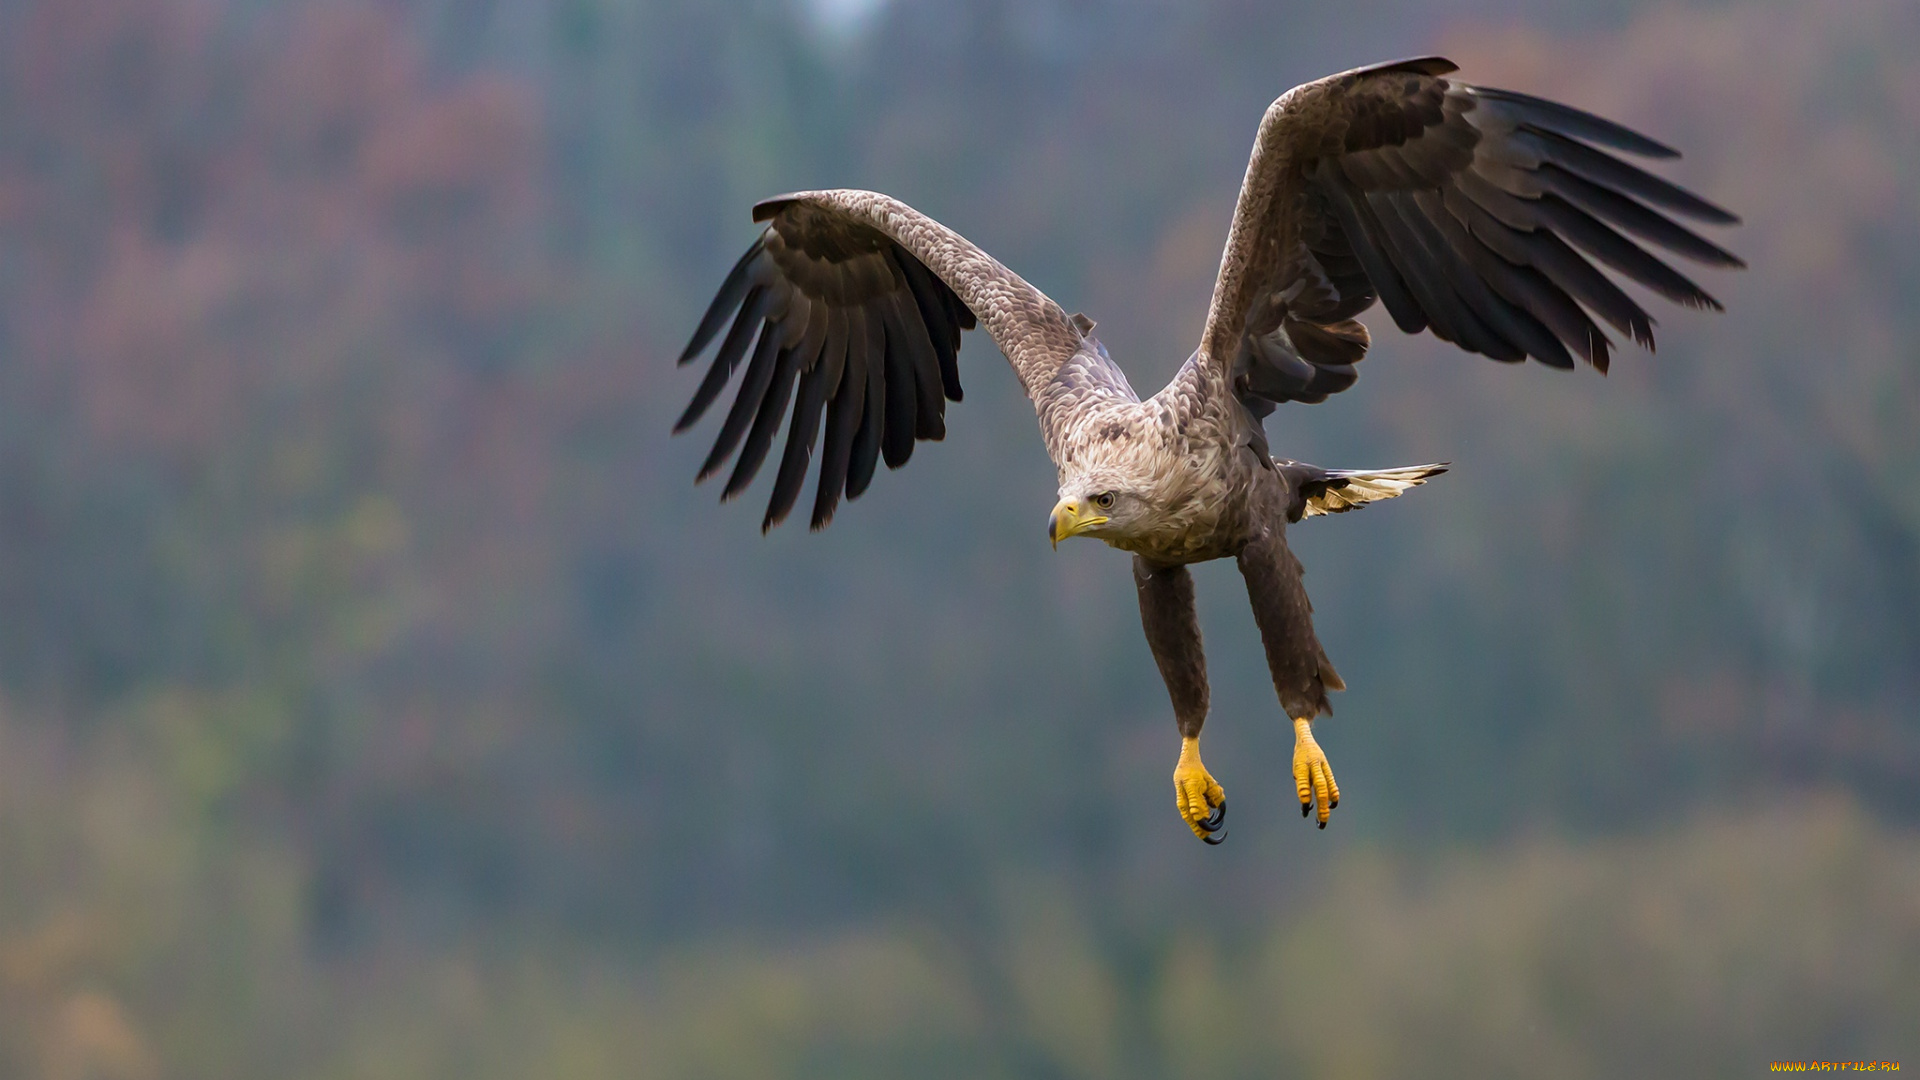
1475,213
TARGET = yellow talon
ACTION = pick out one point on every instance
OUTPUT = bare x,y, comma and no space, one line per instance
1200,798
1312,776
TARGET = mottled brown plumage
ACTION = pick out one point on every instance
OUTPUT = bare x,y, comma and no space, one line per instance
1475,213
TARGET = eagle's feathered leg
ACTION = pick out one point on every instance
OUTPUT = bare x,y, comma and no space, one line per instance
1302,675
1173,633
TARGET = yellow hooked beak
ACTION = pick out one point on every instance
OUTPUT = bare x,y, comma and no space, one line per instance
1070,518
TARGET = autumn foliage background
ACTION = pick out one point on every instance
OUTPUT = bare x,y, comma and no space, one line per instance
378,698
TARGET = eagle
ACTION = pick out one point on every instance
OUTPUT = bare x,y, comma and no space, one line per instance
1478,214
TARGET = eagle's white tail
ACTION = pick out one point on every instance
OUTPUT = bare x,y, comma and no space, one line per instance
1334,491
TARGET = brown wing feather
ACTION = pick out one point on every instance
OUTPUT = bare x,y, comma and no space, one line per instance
1475,213
858,302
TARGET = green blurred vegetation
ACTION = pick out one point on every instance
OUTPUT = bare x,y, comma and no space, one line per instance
379,699
1701,950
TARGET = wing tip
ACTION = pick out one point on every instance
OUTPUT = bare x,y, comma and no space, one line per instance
709,467
1714,214
738,482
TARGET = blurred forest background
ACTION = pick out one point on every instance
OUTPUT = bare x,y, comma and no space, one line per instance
378,697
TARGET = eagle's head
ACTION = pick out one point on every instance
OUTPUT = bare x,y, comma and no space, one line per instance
1123,464
1109,503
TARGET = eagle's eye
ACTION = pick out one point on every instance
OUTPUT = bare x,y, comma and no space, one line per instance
1104,500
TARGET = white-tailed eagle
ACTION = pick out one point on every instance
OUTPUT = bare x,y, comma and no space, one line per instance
1475,213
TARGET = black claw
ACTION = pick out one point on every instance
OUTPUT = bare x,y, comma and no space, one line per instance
1323,824
1303,808
1218,818
1216,838
1334,805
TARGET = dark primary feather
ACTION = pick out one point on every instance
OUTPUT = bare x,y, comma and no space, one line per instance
925,419
1558,270
1477,213
766,420
817,385
724,361
1516,318
745,403
1362,232
731,290
896,435
1502,330
865,455
1611,172
943,337
1567,120
848,327
843,421
1613,207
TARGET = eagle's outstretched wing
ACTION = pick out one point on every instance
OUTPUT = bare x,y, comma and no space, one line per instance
859,300
1460,208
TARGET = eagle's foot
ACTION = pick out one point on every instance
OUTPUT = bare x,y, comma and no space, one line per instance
1312,776
1201,799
